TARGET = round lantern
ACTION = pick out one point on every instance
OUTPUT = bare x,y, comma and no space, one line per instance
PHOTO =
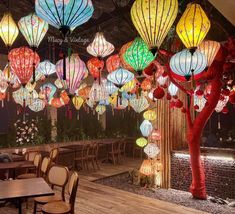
122,53
113,63
100,47
141,142
153,20
64,15
186,64
172,89
110,88
146,85
151,150
37,105
77,102
146,128
100,109
150,115
97,92
139,104
75,70
193,26
155,135
23,97
8,29
138,55
146,167
95,66
210,49
158,93
46,68
120,77
33,29
22,61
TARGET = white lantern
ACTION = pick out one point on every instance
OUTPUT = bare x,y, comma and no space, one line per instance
151,150
146,128
139,104
173,89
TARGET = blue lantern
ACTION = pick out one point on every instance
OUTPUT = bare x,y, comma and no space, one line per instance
110,88
65,15
186,63
146,128
46,68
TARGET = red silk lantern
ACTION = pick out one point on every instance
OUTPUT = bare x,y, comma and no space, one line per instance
95,66
154,68
113,63
23,62
178,104
225,110
232,97
225,92
146,85
158,93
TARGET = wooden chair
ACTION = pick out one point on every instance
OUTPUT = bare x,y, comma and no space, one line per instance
29,155
93,155
54,153
62,207
54,181
123,149
114,154
82,157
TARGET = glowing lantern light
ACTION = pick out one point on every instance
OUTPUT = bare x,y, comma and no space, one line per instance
84,92
97,92
162,80
48,90
118,103
100,47
200,102
30,86
2,96
113,63
122,58
146,128
95,66
210,49
185,64
90,103
173,89
65,15
146,85
150,115
110,88
158,93
193,26
56,102
3,84
33,29
138,55
8,29
76,71
77,102
22,62
155,135
23,97
153,20
46,68
128,96
9,75
100,109
151,150
64,97
37,105
139,104
129,86
141,142
221,104
146,167
58,83
120,77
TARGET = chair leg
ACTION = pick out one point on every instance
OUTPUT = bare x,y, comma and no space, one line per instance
113,157
97,164
35,207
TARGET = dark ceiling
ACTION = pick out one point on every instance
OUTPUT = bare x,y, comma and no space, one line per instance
114,21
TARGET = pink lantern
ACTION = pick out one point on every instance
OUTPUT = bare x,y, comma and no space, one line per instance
155,135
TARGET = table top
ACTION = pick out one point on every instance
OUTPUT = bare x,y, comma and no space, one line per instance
16,165
24,188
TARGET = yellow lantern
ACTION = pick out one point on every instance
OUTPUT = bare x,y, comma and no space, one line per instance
147,167
150,115
193,26
129,86
8,29
141,142
100,109
77,102
210,49
153,20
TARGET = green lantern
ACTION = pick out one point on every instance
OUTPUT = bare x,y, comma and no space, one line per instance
138,55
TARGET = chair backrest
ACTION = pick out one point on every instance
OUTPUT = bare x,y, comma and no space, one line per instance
54,154
58,176
94,149
45,166
116,146
85,150
123,146
29,155
72,189
37,161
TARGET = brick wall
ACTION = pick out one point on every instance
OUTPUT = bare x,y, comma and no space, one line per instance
220,175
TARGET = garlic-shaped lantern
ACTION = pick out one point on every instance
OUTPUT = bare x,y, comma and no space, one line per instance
146,128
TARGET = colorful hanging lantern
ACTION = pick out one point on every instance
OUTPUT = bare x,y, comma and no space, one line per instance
37,105
65,15
84,92
153,70
158,93
76,71
90,103
46,68
151,150
138,55
33,29
8,29
162,80
173,89
146,85
193,26
210,49
129,86
22,61
118,103
64,97
113,63
77,102
122,53
100,47
100,109
155,135
186,64
95,66
3,83
146,128
58,83
199,103
221,103
153,20
150,115
56,102
147,167
141,142
48,90
23,97
97,92
110,88
139,104
30,86
120,77
9,75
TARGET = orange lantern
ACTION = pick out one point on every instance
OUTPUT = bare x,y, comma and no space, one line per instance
113,63
65,98
84,92
95,66
122,53
155,135
146,85
2,96
56,102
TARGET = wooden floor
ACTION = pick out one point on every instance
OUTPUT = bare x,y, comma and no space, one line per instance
93,198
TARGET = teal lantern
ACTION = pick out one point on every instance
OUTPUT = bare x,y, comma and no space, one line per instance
138,55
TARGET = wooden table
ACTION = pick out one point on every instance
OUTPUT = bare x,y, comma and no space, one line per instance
24,188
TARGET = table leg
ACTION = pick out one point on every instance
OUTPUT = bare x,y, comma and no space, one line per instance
19,206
